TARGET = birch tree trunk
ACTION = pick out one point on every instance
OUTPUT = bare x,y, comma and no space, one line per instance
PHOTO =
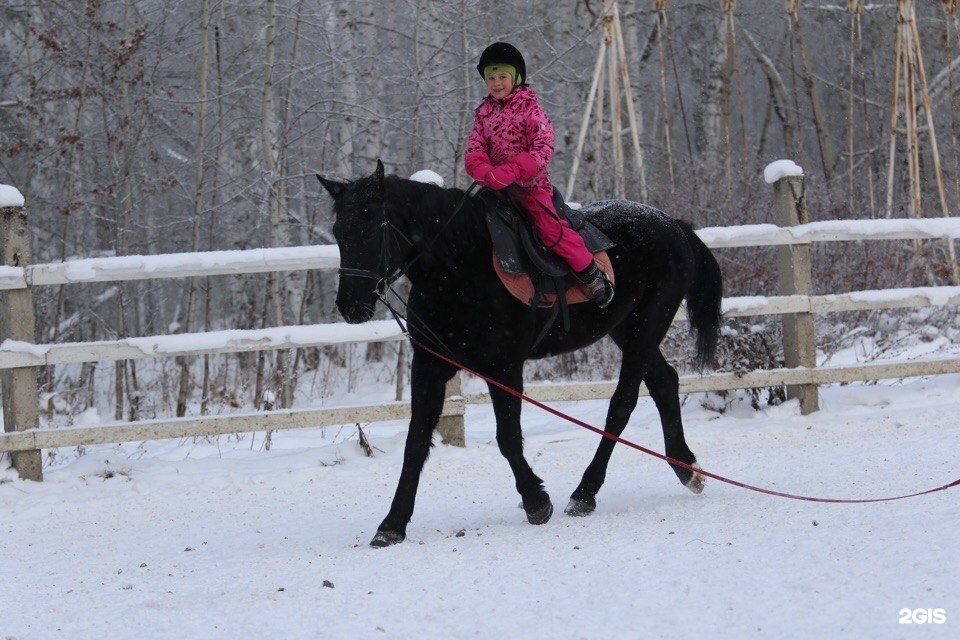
205,394
293,285
125,371
184,389
273,307
709,114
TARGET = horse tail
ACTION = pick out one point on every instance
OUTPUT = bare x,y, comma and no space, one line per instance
704,298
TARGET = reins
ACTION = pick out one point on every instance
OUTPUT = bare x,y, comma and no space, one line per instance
385,280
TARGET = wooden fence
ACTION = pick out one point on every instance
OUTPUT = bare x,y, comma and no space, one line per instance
19,357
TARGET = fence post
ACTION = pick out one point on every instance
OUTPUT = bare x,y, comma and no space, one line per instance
19,385
793,263
451,427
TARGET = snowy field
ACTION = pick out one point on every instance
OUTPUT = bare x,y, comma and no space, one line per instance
219,539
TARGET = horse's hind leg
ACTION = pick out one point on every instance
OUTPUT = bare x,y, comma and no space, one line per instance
428,381
583,501
663,384
506,407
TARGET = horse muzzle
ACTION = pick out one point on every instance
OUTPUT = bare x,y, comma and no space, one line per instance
355,309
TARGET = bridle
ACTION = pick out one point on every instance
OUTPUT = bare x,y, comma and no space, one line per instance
381,275
382,278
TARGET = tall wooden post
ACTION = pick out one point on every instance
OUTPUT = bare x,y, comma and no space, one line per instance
612,62
793,262
908,73
451,426
19,385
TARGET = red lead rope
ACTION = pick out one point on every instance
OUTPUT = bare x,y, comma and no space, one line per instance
655,454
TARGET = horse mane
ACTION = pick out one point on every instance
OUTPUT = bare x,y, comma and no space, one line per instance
449,227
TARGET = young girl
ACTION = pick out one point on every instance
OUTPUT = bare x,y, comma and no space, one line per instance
512,143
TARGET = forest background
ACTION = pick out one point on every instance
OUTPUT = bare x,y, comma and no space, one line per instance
161,126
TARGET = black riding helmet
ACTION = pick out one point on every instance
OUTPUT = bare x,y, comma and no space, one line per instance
503,53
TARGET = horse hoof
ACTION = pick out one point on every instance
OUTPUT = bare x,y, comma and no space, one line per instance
697,481
386,539
580,507
541,515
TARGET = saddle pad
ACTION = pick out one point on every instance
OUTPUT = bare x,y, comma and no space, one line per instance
521,286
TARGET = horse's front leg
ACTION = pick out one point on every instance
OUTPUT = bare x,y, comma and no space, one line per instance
506,408
428,380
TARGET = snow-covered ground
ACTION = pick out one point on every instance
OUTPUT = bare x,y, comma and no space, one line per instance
220,539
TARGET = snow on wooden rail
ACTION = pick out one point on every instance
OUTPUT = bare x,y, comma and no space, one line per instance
762,235
171,265
23,354
212,263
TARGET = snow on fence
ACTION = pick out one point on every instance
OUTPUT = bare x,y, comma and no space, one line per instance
19,357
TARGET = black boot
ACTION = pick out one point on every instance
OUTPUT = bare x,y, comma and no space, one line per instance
601,289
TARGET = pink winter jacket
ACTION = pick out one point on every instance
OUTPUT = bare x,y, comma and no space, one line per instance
513,131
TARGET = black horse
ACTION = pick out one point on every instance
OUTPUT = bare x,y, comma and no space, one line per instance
458,306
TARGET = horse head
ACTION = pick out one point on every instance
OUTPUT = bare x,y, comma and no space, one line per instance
360,228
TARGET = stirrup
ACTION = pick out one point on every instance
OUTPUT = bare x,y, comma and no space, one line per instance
601,289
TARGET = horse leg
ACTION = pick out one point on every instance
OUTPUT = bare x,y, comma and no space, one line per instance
583,501
506,409
663,384
428,381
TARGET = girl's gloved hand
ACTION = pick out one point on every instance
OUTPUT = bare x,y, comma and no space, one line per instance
501,177
525,166
478,165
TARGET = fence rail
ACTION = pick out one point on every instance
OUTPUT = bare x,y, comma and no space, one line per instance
15,354
215,263
171,265
19,358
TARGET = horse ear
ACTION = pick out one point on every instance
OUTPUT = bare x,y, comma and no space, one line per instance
379,173
333,187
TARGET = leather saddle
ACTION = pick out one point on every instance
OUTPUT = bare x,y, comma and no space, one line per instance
534,274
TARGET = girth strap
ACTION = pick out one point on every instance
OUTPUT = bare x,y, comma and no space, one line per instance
559,305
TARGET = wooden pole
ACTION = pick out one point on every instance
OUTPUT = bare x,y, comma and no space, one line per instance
613,86
611,61
866,112
598,168
910,111
793,261
597,72
660,6
19,385
908,71
854,9
636,121
894,111
934,149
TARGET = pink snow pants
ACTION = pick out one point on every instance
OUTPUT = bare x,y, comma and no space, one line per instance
554,231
